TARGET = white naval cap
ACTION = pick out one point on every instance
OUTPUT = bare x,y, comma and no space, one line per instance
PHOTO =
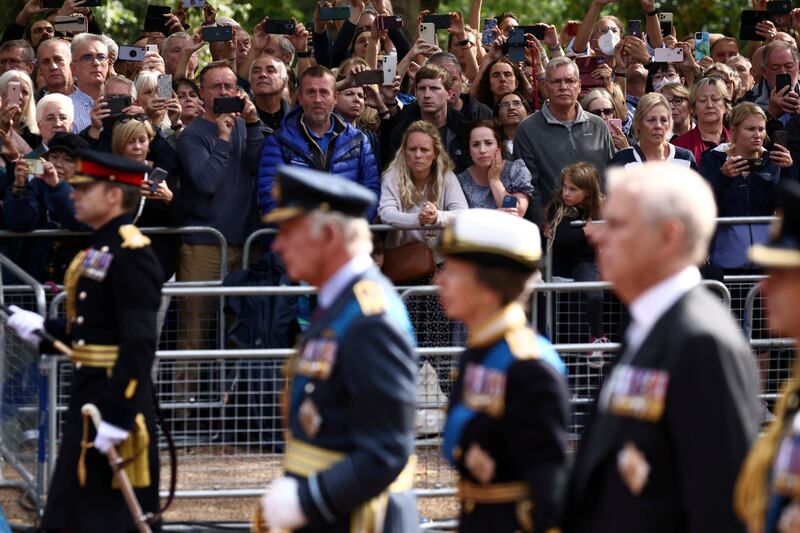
492,237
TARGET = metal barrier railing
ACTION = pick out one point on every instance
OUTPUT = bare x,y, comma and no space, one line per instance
18,360
721,221
214,356
153,230
263,232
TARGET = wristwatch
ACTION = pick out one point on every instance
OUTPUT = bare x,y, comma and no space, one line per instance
652,13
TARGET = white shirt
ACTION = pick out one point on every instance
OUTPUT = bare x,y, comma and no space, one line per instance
651,305
341,278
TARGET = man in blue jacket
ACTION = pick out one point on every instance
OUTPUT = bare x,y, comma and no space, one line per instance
312,136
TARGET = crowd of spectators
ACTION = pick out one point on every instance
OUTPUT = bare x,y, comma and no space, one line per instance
449,123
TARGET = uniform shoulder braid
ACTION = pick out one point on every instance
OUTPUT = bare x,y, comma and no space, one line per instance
522,343
132,237
370,297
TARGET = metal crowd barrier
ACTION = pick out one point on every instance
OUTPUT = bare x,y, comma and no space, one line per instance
774,355
154,230
264,232
722,221
218,460
23,396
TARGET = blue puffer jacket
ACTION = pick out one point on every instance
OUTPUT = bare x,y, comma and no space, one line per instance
751,195
349,155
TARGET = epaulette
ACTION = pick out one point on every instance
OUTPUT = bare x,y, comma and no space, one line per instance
370,296
522,343
132,237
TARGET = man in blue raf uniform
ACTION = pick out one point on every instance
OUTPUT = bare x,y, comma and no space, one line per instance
349,407
113,293
506,429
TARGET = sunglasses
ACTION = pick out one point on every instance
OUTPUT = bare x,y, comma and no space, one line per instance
141,117
603,111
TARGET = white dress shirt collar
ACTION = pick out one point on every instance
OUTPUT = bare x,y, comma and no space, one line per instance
341,278
651,305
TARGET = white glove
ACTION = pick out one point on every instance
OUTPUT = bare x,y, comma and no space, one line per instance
281,505
108,436
24,323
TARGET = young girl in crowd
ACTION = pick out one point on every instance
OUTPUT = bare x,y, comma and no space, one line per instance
579,198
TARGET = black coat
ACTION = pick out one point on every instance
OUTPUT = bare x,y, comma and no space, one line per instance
694,445
116,299
364,395
454,137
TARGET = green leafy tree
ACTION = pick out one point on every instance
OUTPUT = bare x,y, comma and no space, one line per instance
122,20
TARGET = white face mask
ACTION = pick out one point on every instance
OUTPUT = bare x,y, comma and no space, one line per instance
657,85
607,42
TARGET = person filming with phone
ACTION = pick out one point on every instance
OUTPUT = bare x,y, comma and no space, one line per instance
218,153
778,94
744,177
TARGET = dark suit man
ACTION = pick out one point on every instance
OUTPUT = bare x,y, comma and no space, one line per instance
349,407
677,414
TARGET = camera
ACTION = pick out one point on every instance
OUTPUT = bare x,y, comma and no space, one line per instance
131,53
755,164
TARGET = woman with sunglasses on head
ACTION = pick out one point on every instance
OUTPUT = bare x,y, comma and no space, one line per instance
652,127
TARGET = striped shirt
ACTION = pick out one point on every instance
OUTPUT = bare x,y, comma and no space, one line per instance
633,156
83,104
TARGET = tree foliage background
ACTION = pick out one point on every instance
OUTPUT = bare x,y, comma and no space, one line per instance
122,20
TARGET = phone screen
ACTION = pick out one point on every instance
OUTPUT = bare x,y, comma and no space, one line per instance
13,93
782,80
509,201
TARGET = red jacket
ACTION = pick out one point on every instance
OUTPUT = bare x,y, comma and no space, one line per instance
692,141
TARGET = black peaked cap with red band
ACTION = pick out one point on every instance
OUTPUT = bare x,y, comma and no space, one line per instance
93,166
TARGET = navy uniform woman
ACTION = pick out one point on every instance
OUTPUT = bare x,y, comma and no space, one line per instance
506,429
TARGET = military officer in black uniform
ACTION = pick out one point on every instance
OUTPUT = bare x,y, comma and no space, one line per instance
768,489
506,429
349,407
113,293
